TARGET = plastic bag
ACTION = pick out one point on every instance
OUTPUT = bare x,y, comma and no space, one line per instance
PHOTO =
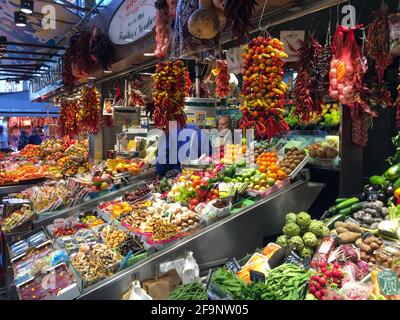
191,271
394,30
137,293
184,44
355,291
178,265
343,68
210,214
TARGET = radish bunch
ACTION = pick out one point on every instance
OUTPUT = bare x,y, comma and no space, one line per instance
328,276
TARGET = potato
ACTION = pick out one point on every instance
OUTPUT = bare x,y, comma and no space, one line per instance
364,256
193,216
349,237
184,225
358,242
340,224
364,247
353,227
341,230
374,245
190,222
369,240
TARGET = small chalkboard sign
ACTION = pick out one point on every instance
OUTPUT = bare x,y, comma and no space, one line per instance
256,276
294,258
307,263
232,265
388,282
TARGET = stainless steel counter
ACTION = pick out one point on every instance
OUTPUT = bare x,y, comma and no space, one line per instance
234,236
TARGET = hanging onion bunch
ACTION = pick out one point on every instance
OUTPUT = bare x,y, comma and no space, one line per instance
307,83
238,14
378,41
90,112
69,118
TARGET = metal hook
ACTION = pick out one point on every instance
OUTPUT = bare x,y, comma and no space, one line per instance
262,14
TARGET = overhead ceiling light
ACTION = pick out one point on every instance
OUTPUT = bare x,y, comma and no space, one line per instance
27,6
149,54
107,71
146,73
19,19
148,30
91,78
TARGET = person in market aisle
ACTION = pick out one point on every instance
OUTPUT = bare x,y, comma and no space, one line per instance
23,139
3,140
34,137
162,168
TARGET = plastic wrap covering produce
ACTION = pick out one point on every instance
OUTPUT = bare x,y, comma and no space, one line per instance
170,89
90,112
184,43
378,41
69,118
306,82
263,88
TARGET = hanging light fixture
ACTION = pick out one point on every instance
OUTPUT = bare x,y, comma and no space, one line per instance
19,19
107,71
27,6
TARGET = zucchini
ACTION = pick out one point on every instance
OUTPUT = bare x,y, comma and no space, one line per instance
378,180
339,200
347,203
346,211
331,222
397,183
358,206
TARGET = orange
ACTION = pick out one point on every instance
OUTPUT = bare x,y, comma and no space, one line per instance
273,168
281,174
262,169
272,175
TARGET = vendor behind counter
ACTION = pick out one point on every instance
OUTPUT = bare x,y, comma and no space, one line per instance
195,141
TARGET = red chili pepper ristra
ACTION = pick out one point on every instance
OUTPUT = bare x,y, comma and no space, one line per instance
263,88
90,110
69,118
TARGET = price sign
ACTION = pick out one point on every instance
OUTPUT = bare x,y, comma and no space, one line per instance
232,265
256,276
307,263
388,282
294,258
291,40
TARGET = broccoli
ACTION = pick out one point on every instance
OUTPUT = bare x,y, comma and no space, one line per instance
303,219
291,217
296,242
316,227
306,252
282,241
291,229
310,239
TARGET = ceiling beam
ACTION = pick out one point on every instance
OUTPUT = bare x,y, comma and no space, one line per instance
66,4
17,75
33,53
38,15
30,66
34,45
27,59
27,70
14,79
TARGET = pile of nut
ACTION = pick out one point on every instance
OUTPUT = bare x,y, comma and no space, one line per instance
113,237
94,264
368,246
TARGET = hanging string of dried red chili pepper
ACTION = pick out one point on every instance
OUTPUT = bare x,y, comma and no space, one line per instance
90,112
69,118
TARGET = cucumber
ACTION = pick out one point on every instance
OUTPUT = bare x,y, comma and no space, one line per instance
346,211
331,222
347,203
339,200
357,206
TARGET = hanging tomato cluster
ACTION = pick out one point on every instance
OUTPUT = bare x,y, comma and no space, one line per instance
90,112
170,90
263,88
69,118
222,80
